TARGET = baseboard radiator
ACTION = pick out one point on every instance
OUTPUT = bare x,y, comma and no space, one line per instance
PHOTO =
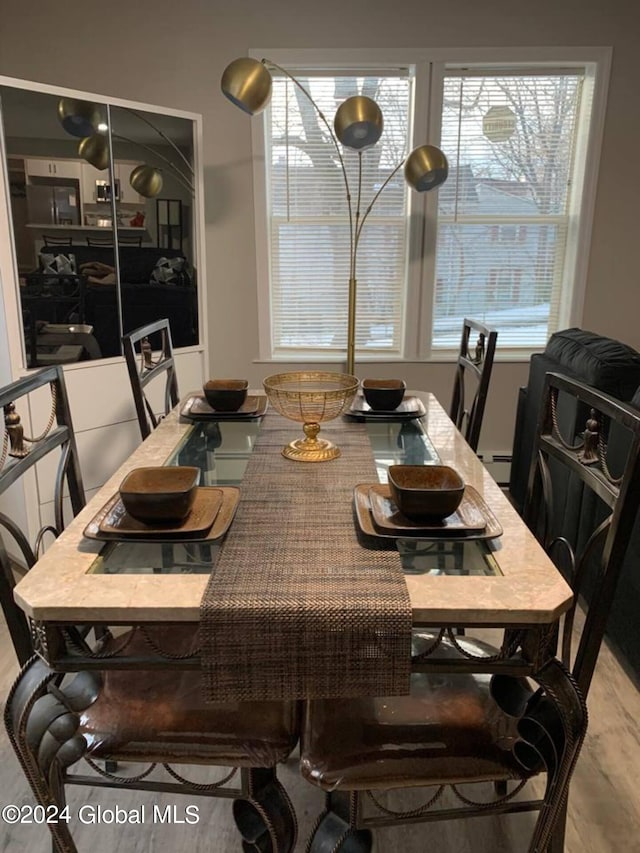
498,463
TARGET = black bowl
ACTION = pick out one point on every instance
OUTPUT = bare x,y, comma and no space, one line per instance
383,394
425,491
225,395
160,493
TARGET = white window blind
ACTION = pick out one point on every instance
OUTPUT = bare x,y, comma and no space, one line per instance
308,217
503,214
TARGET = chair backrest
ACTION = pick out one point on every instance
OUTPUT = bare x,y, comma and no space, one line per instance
108,241
591,559
56,240
475,361
20,453
143,369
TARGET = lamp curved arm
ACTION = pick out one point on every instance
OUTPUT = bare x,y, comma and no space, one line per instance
179,175
375,198
164,136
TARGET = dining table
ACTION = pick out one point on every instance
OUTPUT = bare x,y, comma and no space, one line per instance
504,582
492,575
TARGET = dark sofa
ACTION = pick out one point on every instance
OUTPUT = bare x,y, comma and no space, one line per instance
142,301
614,368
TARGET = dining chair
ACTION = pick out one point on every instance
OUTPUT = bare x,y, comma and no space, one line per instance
475,363
100,241
144,727
18,457
56,240
458,726
108,241
153,715
144,369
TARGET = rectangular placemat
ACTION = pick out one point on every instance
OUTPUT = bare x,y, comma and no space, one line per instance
296,607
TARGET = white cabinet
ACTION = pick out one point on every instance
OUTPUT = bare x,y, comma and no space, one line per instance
39,167
127,193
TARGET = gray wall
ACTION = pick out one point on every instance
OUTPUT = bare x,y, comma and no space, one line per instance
173,54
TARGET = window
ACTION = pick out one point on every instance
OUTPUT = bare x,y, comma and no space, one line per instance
504,213
503,240
308,218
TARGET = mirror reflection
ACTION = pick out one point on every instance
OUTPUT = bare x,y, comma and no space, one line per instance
102,204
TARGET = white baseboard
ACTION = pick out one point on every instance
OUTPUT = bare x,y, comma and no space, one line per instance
498,463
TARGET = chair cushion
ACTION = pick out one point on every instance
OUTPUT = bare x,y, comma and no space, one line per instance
160,716
449,729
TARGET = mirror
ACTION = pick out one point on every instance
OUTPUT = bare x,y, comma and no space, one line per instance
99,253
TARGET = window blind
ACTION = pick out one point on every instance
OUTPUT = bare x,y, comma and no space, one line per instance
308,229
503,214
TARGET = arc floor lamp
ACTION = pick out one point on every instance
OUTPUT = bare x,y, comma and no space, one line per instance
358,125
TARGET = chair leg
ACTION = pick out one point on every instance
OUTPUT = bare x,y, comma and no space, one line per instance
266,819
335,831
556,842
558,741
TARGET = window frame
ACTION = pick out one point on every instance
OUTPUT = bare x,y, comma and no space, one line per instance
429,67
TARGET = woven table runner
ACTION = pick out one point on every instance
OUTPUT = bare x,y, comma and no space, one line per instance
296,607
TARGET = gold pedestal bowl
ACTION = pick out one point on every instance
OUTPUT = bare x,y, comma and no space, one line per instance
311,397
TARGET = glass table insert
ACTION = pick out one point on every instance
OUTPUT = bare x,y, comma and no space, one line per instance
221,449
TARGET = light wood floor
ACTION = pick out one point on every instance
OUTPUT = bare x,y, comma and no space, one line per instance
604,806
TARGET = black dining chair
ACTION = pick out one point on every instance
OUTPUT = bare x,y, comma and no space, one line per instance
473,367
19,455
143,369
462,727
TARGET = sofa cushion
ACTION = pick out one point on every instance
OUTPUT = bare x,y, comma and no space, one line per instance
604,363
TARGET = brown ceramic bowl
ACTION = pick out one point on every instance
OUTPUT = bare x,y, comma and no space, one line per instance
425,491
383,394
226,395
160,493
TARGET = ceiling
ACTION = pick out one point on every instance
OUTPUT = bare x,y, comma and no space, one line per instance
33,115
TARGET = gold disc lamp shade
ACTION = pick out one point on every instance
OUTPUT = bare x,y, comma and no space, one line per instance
247,84
426,168
358,123
146,180
79,118
95,150
84,119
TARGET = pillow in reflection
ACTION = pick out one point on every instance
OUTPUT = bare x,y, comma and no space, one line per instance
171,271
57,264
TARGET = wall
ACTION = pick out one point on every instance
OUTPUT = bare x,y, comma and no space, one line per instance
173,54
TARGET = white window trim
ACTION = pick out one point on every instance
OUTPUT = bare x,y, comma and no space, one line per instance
427,117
